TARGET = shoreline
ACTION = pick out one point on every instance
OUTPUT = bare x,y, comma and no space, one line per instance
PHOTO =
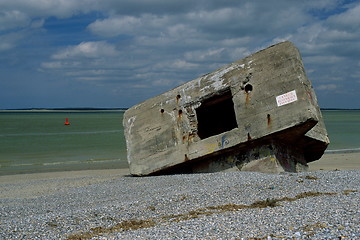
331,160
46,183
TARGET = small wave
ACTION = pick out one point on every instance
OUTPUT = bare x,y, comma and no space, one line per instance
19,165
348,150
58,133
61,163
88,161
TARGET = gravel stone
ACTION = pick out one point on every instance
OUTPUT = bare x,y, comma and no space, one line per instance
309,205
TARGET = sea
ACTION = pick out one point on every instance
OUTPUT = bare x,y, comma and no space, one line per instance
39,141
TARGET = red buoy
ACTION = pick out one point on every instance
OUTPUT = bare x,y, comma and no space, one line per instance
66,121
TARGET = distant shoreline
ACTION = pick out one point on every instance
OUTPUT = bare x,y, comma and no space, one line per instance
338,151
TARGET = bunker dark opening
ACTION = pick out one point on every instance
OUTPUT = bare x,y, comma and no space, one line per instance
216,115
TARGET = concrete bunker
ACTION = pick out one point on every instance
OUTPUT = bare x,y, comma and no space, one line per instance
259,113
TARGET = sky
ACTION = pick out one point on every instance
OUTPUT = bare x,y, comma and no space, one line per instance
117,53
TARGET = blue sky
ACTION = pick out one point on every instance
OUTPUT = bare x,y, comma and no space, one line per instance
110,53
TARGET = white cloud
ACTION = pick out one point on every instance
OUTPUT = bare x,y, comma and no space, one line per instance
90,78
180,31
88,50
162,82
349,19
52,65
147,43
236,41
224,54
238,53
111,27
87,61
201,38
5,46
57,8
144,25
204,55
182,64
9,41
37,23
13,18
20,13
213,17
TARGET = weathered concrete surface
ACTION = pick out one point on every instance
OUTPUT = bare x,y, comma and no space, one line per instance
258,114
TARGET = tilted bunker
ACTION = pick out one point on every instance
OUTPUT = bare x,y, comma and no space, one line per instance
257,114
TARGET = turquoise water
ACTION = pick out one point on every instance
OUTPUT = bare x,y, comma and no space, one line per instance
40,142
343,127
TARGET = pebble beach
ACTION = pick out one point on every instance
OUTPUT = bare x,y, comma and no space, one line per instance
109,204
